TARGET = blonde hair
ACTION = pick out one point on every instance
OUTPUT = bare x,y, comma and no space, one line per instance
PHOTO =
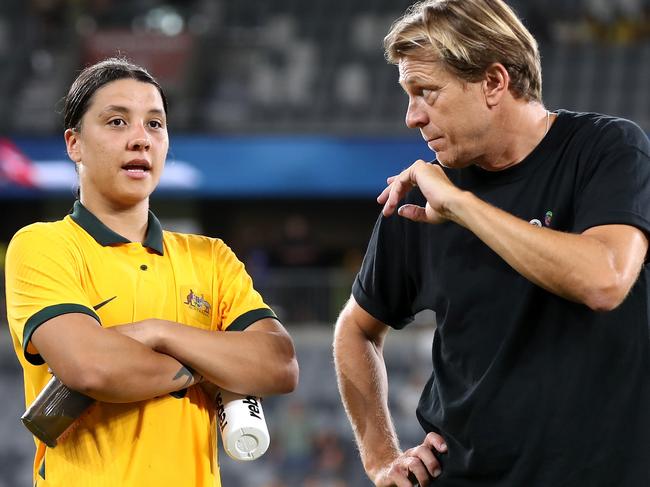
468,36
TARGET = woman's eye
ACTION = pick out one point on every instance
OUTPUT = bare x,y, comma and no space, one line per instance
116,122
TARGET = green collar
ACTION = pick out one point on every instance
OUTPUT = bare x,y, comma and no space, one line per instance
105,236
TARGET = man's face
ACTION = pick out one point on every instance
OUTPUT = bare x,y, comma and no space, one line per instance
451,114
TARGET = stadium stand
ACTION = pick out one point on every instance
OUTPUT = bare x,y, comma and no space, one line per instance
288,67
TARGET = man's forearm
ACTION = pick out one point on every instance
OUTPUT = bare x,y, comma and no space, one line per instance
596,268
363,384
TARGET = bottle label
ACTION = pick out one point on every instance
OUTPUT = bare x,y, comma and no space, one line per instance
253,406
221,412
244,432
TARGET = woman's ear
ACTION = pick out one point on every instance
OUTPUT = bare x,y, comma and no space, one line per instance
496,83
72,144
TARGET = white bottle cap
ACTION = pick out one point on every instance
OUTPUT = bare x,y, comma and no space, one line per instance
244,433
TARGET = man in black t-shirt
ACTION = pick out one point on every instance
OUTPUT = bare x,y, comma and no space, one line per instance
528,238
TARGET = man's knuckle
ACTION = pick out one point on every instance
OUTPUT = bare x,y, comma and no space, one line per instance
432,464
434,436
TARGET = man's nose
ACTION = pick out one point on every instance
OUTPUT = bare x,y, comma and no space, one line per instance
416,117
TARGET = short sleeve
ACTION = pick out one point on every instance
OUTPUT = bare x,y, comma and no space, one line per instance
42,282
382,286
615,184
239,304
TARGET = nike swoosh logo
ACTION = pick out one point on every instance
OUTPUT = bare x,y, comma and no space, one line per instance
103,303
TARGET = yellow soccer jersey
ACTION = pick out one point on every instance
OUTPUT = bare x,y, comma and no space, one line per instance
78,265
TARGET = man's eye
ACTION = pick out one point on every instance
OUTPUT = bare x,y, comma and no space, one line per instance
156,124
116,122
429,95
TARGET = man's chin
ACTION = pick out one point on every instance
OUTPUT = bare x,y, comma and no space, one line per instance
451,163
444,161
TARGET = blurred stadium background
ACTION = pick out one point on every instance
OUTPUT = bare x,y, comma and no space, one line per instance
284,122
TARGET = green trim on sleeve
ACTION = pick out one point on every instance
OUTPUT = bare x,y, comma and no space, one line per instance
42,316
250,317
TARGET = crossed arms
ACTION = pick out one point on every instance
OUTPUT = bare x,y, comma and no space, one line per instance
150,358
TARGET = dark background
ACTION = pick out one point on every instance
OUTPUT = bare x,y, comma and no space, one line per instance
299,71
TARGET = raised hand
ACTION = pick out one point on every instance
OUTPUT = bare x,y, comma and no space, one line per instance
435,186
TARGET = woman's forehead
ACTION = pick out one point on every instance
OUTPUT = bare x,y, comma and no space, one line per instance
127,94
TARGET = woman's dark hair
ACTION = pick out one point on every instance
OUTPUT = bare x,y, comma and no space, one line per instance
94,77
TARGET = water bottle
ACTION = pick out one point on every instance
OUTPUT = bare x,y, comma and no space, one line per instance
244,433
54,412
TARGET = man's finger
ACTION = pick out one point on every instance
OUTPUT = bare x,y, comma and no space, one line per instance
392,199
413,212
418,474
436,441
383,196
429,460
400,188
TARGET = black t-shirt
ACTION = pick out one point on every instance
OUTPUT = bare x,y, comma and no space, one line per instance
527,388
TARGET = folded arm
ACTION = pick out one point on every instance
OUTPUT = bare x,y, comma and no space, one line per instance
104,364
260,360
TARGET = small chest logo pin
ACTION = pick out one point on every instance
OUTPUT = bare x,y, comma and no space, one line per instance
198,303
548,217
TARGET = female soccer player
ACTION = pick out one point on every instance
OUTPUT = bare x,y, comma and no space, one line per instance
130,314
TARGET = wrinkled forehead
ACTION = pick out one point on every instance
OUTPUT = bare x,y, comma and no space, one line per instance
414,70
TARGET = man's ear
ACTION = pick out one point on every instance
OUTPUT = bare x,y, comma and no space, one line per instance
72,144
496,83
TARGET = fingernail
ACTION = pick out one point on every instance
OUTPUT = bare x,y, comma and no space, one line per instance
443,446
436,473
